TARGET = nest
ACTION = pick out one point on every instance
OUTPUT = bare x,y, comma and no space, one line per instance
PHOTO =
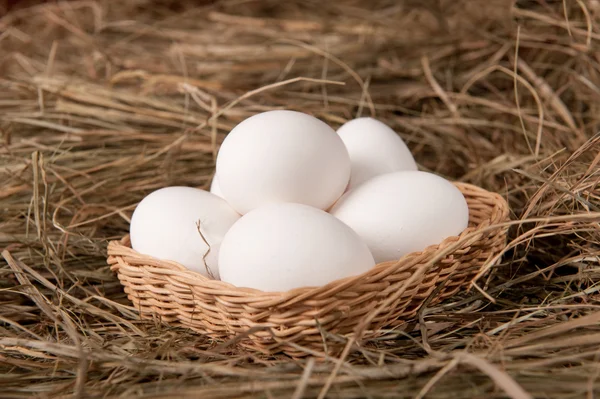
102,103
304,318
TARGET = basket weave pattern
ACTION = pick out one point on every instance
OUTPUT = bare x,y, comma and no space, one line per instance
274,322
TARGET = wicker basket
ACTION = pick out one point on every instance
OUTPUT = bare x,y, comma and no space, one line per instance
314,318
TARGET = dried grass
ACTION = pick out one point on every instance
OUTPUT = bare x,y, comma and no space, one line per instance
102,102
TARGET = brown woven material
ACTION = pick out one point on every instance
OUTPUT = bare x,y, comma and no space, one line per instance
385,296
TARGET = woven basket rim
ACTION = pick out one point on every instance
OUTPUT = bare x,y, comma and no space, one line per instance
121,248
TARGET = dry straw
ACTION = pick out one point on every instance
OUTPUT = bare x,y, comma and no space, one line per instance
307,317
103,102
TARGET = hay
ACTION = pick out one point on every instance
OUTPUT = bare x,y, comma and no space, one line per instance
102,102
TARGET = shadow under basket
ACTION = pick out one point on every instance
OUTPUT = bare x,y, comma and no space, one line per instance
315,319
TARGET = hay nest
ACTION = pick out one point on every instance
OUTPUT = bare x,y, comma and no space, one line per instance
103,102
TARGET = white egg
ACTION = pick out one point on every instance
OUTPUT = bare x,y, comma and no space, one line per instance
283,246
214,187
403,212
164,225
374,149
282,156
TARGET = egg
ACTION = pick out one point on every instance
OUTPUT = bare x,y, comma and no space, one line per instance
214,187
403,212
283,246
165,225
374,149
282,156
